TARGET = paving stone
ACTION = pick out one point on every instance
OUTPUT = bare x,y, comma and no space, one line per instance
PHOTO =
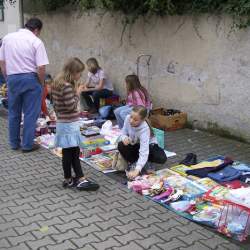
21,246
4,244
130,246
24,229
66,245
81,242
146,232
32,219
129,227
83,231
90,220
215,241
130,217
107,244
170,233
173,244
40,243
111,214
59,212
192,237
104,225
59,238
150,241
104,235
149,221
20,239
110,218
51,231
66,226
9,225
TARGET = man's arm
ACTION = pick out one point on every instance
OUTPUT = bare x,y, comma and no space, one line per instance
41,71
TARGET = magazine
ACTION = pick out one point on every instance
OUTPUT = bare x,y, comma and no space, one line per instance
101,162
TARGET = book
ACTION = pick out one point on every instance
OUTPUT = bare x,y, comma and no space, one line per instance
101,162
180,169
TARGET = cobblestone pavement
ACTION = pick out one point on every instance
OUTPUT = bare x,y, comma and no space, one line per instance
31,198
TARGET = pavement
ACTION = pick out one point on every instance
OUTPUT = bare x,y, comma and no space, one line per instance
36,213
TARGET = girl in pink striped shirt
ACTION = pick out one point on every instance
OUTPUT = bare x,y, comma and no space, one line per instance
136,95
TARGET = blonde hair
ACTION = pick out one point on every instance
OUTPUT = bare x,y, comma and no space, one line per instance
143,113
93,65
71,67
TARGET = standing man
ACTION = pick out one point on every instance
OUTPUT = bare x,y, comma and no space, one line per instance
22,59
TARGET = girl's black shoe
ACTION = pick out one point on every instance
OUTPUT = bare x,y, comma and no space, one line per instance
87,185
68,183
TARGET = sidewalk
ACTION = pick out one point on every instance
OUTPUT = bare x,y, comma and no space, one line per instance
31,198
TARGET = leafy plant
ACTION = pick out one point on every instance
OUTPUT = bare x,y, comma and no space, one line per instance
238,9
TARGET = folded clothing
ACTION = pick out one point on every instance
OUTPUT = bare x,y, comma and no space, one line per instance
203,172
226,174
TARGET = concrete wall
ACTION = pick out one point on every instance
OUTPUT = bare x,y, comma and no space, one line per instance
12,18
205,72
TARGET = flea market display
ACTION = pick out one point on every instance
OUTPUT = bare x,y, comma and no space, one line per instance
214,192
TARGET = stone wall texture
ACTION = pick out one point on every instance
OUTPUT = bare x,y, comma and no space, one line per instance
199,66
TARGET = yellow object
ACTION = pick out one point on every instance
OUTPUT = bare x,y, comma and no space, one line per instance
207,164
44,229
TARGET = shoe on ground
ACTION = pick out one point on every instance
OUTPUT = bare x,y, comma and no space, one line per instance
68,183
34,148
191,159
87,185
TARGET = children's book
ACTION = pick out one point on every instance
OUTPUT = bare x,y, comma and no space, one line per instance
207,183
101,162
180,169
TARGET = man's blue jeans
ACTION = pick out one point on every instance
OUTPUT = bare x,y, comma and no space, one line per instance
24,96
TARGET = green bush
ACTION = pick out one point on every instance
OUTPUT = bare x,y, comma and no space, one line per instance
238,9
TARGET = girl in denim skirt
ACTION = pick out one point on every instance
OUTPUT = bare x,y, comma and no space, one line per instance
65,95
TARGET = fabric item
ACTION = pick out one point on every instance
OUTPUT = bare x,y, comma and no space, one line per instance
97,95
137,97
119,162
207,164
23,52
131,153
70,159
2,79
226,174
203,172
105,111
94,79
24,95
160,137
68,135
245,177
65,102
121,114
44,105
139,135
241,167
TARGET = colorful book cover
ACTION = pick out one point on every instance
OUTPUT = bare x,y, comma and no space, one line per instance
181,169
101,162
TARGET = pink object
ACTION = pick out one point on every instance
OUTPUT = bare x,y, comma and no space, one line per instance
163,195
23,52
138,98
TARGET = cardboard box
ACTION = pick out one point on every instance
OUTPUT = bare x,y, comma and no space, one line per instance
159,120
